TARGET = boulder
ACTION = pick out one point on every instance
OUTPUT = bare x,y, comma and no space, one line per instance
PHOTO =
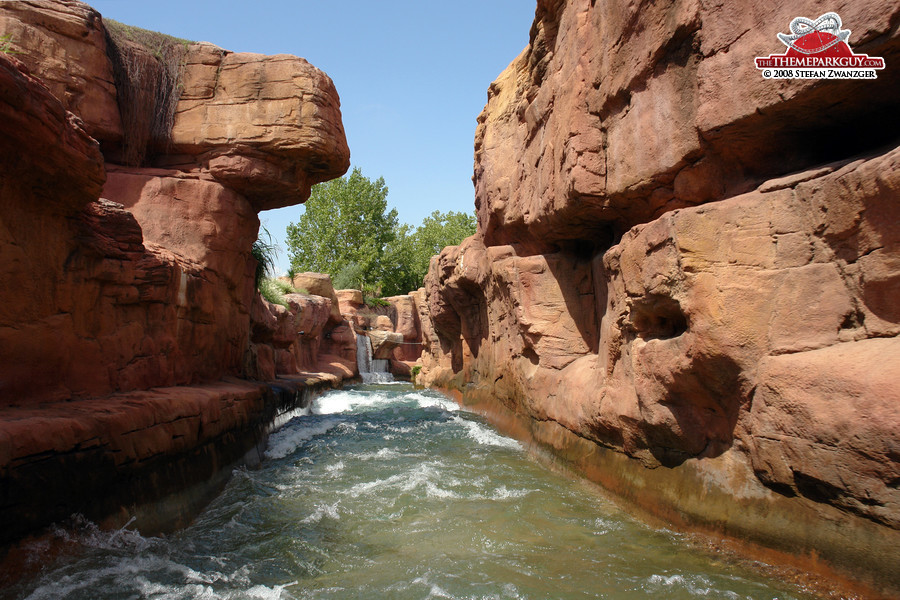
384,342
383,323
63,43
349,299
231,115
319,284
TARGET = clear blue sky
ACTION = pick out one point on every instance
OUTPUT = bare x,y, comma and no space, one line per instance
412,76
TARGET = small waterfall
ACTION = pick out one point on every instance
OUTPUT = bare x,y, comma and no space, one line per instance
370,370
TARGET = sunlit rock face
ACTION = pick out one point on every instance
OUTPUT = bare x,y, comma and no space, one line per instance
267,126
616,113
686,264
63,43
153,284
126,265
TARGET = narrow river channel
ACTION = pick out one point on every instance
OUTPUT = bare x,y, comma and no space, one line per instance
384,491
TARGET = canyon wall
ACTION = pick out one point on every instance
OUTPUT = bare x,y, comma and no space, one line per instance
152,285
132,340
685,278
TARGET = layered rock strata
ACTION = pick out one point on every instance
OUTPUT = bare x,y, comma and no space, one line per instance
393,329
121,278
684,279
304,336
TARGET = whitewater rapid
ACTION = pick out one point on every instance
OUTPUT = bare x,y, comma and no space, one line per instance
385,491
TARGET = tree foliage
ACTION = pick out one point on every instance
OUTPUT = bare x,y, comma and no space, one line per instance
411,251
347,232
346,222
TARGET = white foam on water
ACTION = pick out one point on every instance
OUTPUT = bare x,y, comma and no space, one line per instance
428,476
133,574
285,417
425,476
383,454
485,436
503,493
403,431
696,585
347,401
287,439
206,592
261,592
150,589
86,533
603,526
368,487
335,468
434,590
433,491
125,572
441,402
322,511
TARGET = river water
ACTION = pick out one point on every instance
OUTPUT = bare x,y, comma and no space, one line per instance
384,491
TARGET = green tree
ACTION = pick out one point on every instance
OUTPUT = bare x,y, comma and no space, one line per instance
400,278
410,252
437,231
346,224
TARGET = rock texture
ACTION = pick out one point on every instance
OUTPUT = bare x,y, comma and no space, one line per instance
302,337
393,329
680,276
64,44
616,113
153,285
319,284
267,126
124,278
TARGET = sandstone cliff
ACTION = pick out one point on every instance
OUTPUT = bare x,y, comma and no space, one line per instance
126,261
685,276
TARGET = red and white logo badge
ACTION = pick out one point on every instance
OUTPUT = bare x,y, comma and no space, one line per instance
818,50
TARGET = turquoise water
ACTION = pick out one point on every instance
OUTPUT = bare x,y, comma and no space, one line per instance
384,491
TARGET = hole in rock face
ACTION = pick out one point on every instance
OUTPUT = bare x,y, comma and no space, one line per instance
816,489
853,320
658,317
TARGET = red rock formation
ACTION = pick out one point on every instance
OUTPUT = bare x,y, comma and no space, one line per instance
288,341
64,44
682,263
407,325
615,114
232,118
171,282
393,329
152,285
319,284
